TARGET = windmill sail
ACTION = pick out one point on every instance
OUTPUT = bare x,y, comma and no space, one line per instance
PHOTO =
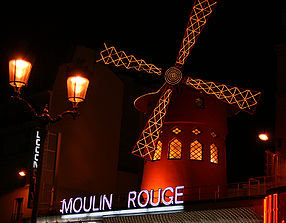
242,98
146,144
199,16
119,58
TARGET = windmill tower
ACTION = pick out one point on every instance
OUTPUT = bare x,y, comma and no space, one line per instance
183,141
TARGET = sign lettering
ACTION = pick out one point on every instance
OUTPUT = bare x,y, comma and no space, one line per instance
166,197
37,150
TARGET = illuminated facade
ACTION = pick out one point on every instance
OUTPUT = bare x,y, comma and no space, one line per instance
191,144
244,99
183,143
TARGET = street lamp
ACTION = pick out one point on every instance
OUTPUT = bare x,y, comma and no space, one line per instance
263,137
77,87
22,173
19,72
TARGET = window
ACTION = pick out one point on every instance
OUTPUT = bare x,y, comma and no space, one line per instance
213,134
196,152
196,131
176,130
214,153
158,151
175,149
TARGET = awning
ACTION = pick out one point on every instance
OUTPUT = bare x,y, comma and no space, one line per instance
215,215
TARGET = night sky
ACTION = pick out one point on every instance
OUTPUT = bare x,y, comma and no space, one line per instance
237,47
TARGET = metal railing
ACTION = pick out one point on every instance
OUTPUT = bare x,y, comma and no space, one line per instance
253,187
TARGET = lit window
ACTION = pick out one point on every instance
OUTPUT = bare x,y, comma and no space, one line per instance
175,149
214,153
196,152
176,130
158,151
213,134
196,131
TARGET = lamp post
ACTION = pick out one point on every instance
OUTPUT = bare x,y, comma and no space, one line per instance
19,72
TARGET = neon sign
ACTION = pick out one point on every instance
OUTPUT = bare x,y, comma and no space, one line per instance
80,204
37,150
167,196
36,163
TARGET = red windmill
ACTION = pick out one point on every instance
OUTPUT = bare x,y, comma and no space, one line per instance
186,146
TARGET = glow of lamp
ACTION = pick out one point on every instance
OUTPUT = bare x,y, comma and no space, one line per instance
19,72
263,137
22,173
77,88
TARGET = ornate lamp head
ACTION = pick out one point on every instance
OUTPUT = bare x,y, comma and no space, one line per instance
19,72
77,88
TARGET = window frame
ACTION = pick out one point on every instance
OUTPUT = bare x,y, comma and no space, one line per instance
217,153
202,151
156,150
169,148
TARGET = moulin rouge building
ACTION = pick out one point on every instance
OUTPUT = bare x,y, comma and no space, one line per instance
184,175
182,145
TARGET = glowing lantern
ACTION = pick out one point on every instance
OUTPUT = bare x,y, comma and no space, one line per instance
77,87
22,173
19,72
263,137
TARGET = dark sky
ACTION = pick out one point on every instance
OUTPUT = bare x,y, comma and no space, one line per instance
235,48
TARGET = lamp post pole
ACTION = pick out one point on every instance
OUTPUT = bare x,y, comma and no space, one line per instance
19,71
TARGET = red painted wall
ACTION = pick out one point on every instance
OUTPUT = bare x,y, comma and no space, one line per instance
184,114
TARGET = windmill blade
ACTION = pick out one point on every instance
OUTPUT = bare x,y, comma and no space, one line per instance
244,99
146,144
199,16
111,56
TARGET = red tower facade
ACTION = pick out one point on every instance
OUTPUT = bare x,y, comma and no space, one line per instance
187,147
191,150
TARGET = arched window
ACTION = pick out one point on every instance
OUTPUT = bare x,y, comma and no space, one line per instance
214,153
158,151
196,150
175,149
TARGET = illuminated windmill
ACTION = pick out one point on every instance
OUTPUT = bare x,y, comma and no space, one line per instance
149,146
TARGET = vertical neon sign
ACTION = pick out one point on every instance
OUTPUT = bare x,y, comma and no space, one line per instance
35,172
36,153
